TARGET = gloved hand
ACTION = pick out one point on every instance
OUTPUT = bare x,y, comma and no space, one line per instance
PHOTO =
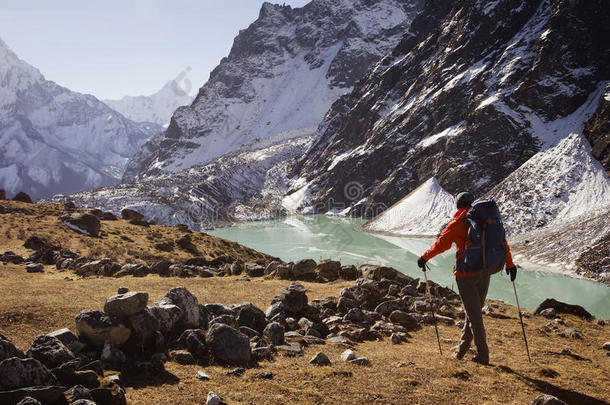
421,263
512,271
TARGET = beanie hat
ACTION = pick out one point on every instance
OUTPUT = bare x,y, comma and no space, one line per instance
464,199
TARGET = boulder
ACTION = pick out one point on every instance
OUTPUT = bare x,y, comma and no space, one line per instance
225,319
213,399
563,308
167,313
377,273
284,271
29,400
109,393
387,307
134,269
549,313
272,267
348,272
407,320
215,310
144,326
19,373
11,257
76,393
294,298
274,332
189,305
605,346
50,351
8,349
68,338
204,317
276,312
329,269
345,304
97,328
34,243
22,197
83,223
304,269
320,359
183,357
125,305
227,345
255,270
139,222
112,358
129,214
193,340
236,268
250,316
361,361
546,399
34,268
161,268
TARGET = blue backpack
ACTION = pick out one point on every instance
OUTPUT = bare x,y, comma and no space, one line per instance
485,252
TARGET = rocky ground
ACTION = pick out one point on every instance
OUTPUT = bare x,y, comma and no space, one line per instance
251,333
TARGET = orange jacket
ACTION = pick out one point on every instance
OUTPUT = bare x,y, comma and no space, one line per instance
457,232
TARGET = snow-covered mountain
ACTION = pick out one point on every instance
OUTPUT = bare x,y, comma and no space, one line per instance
423,212
283,73
53,140
474,90
156,108
238,186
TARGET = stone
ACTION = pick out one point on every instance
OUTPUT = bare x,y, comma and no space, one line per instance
144,326
19,373
182,357
387,307
304,269
134,269
236,268
50,351
250,316
255,270
338,340
320,359
224,319
123,290
546,399
407,320
549,313
293,298
276,312
284,271
166,313
44,394
345,304
377,273
219,309
329,269
563,308
272,267
348,272
11,257
34,268
202,376
573,333
274,332
76,393
361,361
204,317
161,268
189,305
605,346
22,197
129,214
97,328
228,345
236,372
83,402
111,357
34,243
83,223
213,399
193,340
109,393
125,305
348,355
8,349
290,349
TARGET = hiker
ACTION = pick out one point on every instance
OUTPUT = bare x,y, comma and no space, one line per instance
472,286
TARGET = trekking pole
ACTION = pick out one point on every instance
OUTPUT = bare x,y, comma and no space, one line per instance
438,339
522,327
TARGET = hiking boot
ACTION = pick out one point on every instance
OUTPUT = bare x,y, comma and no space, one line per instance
459,352
481,360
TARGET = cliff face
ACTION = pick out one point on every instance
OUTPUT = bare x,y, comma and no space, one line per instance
472,91
282,75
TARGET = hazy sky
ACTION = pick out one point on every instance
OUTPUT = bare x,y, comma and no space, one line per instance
113,48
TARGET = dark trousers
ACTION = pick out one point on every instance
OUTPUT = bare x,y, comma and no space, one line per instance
473,291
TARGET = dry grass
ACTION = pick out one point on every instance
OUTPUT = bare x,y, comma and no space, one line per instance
413,372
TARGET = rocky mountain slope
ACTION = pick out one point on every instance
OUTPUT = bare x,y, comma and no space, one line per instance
156,108
53,140
473,91
244,185
283,73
